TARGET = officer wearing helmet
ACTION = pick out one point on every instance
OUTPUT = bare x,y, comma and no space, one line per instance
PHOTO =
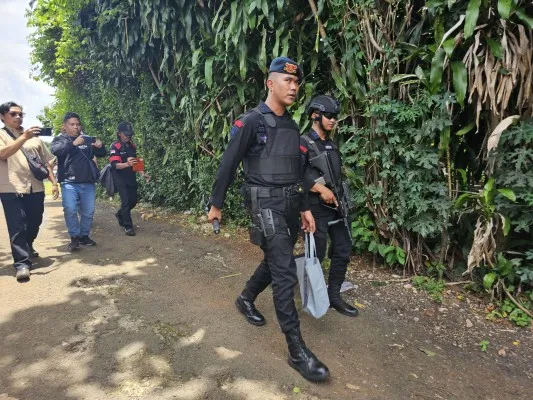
267,140
323,112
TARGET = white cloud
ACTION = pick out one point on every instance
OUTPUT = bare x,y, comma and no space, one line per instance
15,67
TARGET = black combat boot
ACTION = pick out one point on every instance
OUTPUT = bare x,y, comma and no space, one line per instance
336,301
247,308
303,360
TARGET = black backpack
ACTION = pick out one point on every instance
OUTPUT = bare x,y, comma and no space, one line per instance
107,181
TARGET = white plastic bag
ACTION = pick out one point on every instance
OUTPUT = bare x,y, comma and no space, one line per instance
315,299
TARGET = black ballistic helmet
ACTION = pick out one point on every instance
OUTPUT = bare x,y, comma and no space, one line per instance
323,104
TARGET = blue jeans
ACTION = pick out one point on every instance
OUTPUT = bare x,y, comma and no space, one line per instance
78,207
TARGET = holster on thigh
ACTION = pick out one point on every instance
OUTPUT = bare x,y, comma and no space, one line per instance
265,223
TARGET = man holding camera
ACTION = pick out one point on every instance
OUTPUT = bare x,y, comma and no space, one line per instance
123,159
77,172
21,193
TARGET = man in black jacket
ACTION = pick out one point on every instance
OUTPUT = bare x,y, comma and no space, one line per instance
77,173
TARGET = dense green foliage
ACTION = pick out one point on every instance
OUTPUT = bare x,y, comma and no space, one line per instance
423,86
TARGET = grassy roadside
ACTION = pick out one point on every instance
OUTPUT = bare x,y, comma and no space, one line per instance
47,188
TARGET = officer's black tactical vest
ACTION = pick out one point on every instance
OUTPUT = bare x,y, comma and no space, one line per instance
278,164
334,156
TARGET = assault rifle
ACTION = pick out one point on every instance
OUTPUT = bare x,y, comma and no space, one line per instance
340,189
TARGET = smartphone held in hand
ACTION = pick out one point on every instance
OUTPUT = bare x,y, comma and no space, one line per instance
46,131
89,139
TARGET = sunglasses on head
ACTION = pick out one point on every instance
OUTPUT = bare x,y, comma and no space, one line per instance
16,113
330,115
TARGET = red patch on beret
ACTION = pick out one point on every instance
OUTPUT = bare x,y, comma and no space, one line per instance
290,68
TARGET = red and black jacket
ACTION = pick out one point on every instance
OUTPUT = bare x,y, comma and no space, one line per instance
119,153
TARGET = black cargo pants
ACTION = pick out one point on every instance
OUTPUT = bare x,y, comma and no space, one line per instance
341,244
128,200
278,267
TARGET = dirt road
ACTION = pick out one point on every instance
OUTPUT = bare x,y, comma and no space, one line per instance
152,317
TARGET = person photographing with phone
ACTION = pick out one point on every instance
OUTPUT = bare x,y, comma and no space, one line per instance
21,192
77,172
123,158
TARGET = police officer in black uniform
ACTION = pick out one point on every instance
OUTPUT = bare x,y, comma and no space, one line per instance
123,156
323,111
267,140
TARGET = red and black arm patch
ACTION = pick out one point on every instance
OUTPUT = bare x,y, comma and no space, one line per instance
303,149
114,153
238,124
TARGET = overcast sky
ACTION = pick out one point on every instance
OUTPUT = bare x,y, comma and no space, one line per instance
15,68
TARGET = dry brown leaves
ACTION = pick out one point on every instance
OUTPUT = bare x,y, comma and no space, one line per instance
494,137
483,246
497,84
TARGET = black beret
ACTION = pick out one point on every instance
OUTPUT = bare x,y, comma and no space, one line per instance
284,65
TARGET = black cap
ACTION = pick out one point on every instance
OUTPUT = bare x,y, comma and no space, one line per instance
323,103
284,65
126,128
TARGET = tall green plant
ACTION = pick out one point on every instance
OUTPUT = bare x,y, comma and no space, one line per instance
423,85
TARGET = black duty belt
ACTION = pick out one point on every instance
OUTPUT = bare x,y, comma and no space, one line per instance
268,192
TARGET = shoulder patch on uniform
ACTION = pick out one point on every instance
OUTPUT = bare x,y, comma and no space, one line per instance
118,146
233,131
303,149
113,151
238,124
